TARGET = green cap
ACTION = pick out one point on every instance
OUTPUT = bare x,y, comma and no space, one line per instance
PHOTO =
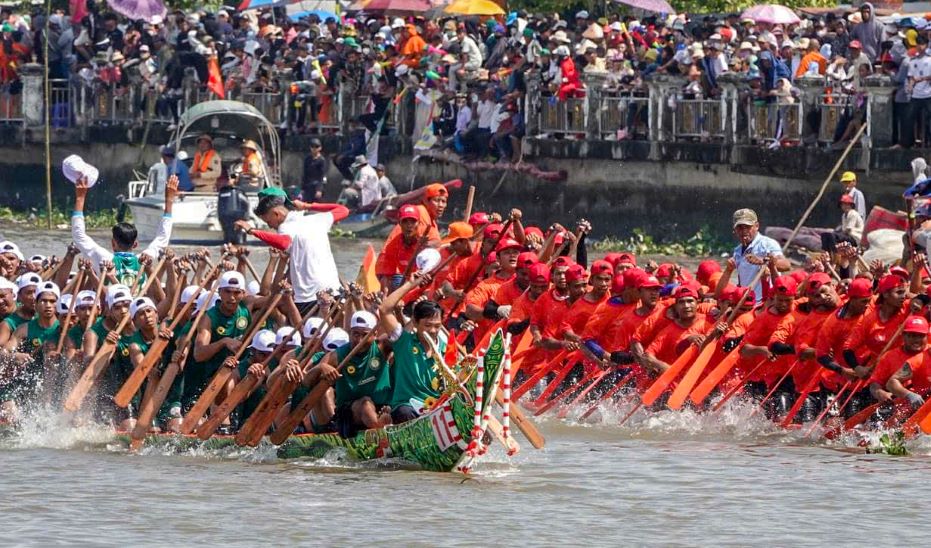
275,192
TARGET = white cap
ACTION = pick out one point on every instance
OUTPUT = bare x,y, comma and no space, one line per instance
428,259
139,305
363,319
28,279
7,284
188,293
202,298
253,287
313,326
156,20
287,334
581,15
334,339
48,287
232,279
118,293
64,303
86,297
74,167
7,246
37,258
263,340
397,23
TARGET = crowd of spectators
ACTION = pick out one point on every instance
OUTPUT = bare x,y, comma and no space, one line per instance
467,77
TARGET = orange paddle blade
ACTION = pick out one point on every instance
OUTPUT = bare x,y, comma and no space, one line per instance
544,371
925,424
691,376
557,380
714,378
665,379
367,279
153,404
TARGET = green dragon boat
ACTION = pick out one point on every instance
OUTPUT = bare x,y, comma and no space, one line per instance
435,441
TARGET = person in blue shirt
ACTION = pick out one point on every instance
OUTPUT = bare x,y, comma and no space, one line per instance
179,168
752,252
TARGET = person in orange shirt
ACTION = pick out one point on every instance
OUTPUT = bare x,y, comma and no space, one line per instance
879,325
687,328
435,198
546,315
582,310
813,55
756,343
491,299
412,46
397,254
908,362
623,299
539,278
458,243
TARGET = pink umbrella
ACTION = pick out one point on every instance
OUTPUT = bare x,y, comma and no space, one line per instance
139,9
656,6
392,7
774,14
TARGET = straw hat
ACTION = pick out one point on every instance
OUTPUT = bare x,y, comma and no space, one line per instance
561,37
249,143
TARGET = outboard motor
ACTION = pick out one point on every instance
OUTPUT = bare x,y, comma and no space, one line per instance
232,206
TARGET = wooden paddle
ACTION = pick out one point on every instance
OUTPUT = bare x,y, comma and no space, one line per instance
618,386
571,391
298,412
78,280
150,407
470,199
251,432
570,363
203,403
154,355
600,374
99,295
101,359
776,387
682,390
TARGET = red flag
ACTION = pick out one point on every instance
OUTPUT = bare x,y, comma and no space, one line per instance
214,79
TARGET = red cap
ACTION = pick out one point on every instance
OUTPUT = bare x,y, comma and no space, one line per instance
492,230
491,258
434,190
860,288
648,282
915,324
900,272
664,270
785,285
539,273
632,277
855,44
527,259
562,260
408,211
479,218
617,284
507,243
612,258
683,291
738,292
817,279
528,230
602,267
559,239
798,275
575,273
627,258
706,269
889,282
846,199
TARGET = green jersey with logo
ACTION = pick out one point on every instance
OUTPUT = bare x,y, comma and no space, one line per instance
415,377
127,268
14,320
365,374
197,375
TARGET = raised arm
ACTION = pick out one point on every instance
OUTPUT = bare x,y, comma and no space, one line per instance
85,243
163,237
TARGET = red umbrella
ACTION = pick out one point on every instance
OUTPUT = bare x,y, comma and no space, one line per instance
392,6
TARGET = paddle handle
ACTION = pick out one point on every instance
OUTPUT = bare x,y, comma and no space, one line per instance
470,199
64,325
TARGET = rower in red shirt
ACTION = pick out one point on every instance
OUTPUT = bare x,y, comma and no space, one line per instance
822,303
834,333
687,327
756,343
582,310
398,252
539,278
899,366
546,316
491,299
429,211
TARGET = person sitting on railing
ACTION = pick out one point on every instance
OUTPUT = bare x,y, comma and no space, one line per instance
206,168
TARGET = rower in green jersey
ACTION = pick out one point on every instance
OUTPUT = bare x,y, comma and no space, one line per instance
319,420
27,347
118,302
26,307
362,392
262,347
145,319
218,337
168,418
74,342
415,371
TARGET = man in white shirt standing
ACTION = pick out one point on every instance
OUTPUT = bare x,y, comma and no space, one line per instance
919,81
306,239
366,181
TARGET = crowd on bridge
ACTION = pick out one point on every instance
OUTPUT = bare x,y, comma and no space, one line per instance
468,75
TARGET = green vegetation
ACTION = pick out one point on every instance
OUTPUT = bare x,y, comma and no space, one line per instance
700,244
61,218
336,232
890,445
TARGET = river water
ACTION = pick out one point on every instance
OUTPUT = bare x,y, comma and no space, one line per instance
671,479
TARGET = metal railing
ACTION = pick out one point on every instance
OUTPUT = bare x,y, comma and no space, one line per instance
699,118
11,106
627,116
774,122
562,117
